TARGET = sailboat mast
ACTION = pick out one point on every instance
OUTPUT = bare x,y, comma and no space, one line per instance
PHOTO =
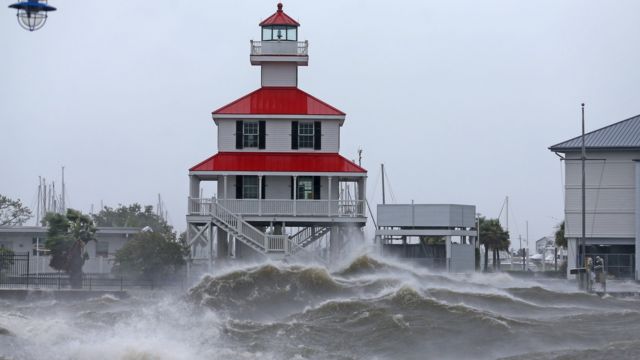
383,197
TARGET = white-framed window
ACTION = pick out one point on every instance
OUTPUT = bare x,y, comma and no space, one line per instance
250,187
305,188
250,134
305,135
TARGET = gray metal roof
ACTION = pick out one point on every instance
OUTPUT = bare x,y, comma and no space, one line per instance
623,135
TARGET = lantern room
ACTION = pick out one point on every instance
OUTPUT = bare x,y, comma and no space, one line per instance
279,27
279,41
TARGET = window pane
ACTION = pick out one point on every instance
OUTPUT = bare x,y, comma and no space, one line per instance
292,34
305,128
266,33
250,134
250,187
279,33
305,135
305,188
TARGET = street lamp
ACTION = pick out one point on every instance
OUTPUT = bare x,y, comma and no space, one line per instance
32,14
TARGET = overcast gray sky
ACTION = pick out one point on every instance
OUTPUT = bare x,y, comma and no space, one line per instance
460,99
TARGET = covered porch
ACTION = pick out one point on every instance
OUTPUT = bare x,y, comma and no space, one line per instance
277,195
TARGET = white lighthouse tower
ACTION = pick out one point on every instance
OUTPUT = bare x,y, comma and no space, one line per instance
281,183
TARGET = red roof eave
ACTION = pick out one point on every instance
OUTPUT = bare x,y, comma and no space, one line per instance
278,101
278,162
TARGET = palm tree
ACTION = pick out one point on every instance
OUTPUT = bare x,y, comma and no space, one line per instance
66,238
493,237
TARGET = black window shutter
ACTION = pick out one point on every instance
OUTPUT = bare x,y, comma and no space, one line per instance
294,135
317,135
261,134
316,187
292,188
238,186
264,187
239,134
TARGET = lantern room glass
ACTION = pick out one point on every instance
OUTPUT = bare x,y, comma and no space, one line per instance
279,33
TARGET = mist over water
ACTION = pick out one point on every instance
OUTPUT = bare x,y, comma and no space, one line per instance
365,308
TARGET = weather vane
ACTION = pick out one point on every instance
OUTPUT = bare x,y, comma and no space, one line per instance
32,14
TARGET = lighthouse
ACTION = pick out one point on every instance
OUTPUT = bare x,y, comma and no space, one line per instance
282,188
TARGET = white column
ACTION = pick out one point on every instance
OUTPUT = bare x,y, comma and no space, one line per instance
260,195
194,193
224,196
330,202
295,193
362,196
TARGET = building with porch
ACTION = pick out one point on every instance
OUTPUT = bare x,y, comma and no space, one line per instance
281,184
612,196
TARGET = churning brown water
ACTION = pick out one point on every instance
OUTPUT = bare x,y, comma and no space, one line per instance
367,309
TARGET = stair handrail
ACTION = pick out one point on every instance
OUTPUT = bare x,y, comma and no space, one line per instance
236,222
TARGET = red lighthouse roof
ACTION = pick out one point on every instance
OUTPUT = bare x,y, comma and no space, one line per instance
278,162
279,18
278,101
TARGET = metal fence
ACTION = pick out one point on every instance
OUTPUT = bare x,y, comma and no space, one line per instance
14,274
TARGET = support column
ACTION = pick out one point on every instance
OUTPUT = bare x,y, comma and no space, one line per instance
224,196
330,202
637,215
194,193
572,255
448,252
260,195
295,193
334,242
362,196
222,248
210,250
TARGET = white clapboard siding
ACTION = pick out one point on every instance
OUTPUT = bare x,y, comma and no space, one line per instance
610,195
278,136
279,74
601,225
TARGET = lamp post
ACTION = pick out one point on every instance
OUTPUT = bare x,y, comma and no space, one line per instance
32,14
